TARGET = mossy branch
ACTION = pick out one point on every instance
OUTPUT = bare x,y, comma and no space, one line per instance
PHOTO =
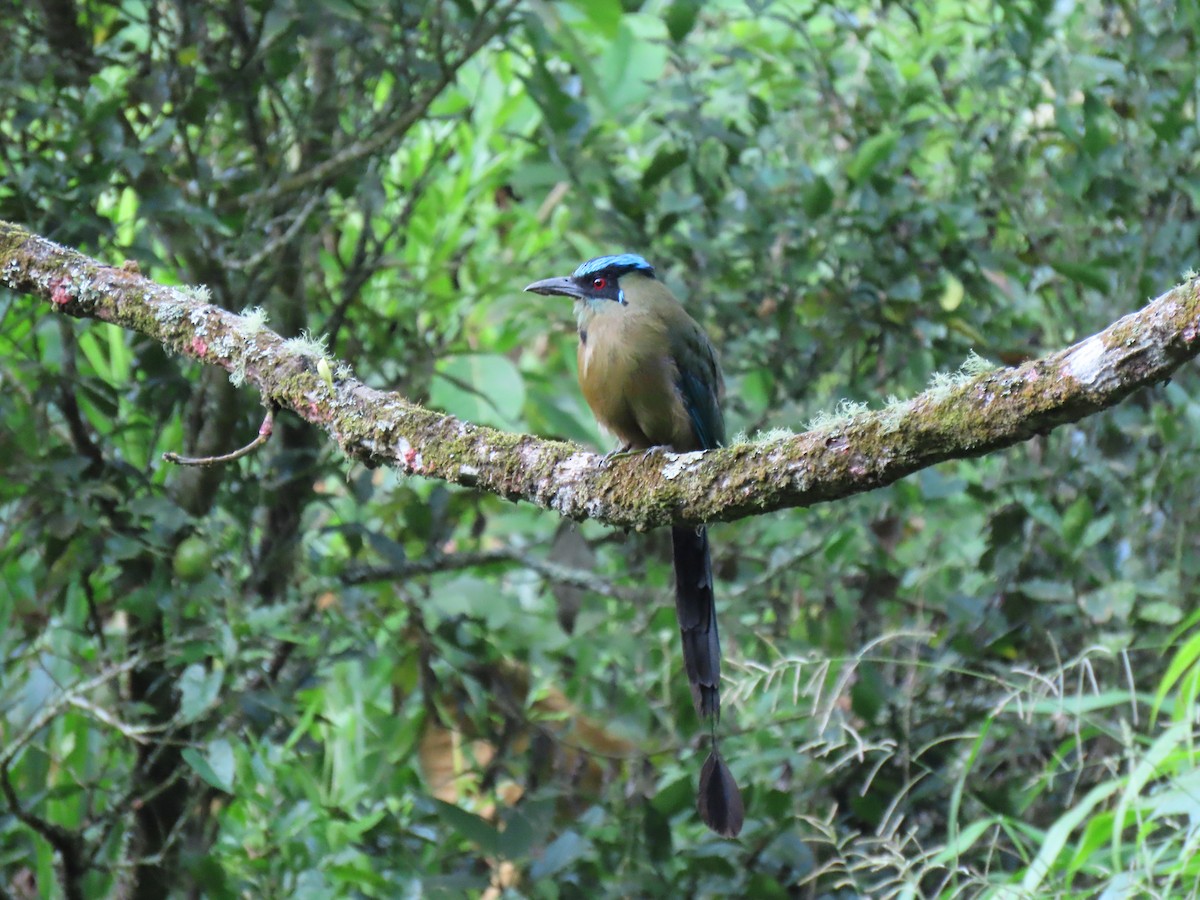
970,415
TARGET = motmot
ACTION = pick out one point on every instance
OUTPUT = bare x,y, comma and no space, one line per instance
651,377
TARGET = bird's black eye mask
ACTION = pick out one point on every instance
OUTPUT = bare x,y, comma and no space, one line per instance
602,286
601,277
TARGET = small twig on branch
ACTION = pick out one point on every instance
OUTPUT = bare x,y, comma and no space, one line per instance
272,247
264,435
67,697
139,734
348,157
453,562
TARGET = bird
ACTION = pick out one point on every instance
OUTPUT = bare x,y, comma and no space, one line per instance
651,377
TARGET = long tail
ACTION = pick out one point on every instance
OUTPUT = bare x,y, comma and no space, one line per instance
697,614
720,801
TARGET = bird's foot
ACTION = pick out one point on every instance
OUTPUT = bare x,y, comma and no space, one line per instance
623,450
628,450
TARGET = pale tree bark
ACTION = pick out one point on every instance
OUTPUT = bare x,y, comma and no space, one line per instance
966,415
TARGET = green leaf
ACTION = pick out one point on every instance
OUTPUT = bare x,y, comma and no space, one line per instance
952,294
198,690
767,887
665,161
472,827
605,15
676,797
1160,612
1152,764
568,847
389,550
517,836
869,693
817,197
1045,589
964,840
359,874
1089,275
1179,797
1111,601
473,596
1185,658
629,71
215,765
657,830
1096,531
1075,520
681,18
1096,833
482,388
871,153
1054,841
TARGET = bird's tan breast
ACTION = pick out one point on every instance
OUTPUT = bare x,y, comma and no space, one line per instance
628,378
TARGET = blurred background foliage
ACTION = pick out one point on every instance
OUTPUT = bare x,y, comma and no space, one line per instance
292,676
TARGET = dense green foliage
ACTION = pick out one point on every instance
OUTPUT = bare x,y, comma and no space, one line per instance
292,676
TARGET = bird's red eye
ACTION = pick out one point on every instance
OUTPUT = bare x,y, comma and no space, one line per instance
599,283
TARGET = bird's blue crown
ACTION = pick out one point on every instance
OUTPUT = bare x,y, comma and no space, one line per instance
615,265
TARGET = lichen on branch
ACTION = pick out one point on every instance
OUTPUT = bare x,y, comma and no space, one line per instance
966,416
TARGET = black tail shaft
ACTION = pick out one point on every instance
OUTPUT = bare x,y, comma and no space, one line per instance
719,801
697,614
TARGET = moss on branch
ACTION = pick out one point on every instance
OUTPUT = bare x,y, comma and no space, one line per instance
969,416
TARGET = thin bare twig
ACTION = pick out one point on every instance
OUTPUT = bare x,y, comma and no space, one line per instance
68,844
67,697
453,562
264,435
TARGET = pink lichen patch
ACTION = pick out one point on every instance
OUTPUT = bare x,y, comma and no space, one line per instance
198,347
60,291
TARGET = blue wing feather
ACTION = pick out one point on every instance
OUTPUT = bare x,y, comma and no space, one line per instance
703,408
